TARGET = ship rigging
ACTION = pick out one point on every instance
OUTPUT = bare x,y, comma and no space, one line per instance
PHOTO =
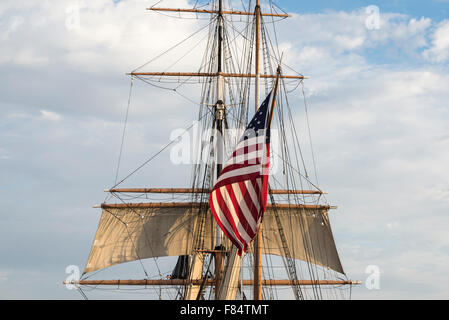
294,254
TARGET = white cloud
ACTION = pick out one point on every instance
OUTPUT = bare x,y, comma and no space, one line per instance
4,275
9,26
439,52
109,35
4,155
50,116
346,31
439,192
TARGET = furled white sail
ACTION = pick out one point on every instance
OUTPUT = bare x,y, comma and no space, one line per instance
128,234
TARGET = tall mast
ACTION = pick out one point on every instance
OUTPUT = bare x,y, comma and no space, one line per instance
257,90
219,115
257,290
220,107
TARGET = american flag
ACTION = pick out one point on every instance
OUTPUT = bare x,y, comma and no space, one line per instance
239,197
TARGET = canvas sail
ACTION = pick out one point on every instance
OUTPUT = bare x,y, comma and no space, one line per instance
128,234
308,236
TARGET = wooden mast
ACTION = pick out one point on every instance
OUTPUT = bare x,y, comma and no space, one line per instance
257,289
219,117
257,76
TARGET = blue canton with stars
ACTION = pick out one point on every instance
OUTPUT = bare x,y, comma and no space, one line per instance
257,126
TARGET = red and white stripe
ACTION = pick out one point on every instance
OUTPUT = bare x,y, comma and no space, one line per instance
238,199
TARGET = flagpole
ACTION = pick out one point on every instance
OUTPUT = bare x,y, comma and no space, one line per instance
258,239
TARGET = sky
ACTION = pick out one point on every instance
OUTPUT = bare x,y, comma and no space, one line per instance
377,96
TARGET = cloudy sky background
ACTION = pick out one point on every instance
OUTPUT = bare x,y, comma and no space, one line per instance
378,106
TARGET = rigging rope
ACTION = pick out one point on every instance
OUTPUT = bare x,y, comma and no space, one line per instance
152,158
170,49
124,129
310,134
